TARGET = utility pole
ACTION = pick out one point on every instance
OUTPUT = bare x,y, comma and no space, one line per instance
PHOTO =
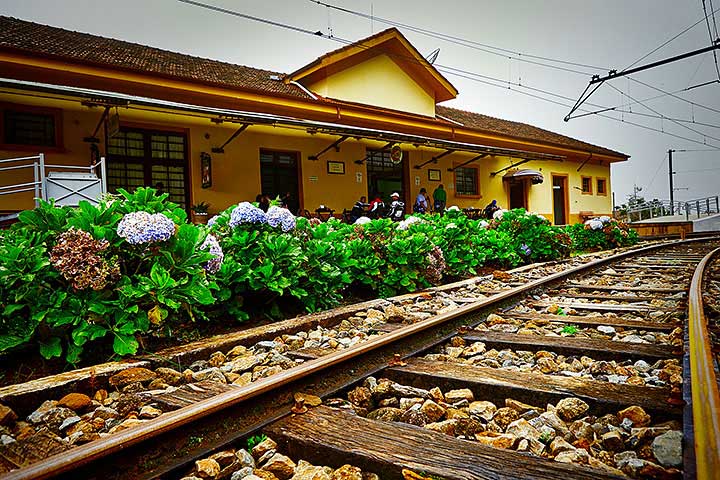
672,190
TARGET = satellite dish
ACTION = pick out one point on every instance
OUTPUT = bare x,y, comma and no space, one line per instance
396,154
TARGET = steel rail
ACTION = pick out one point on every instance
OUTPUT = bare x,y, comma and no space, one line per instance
704,386
98,449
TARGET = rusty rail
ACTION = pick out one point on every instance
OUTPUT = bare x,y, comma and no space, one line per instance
100,449
705,396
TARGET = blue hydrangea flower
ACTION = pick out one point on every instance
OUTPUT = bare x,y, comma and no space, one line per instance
246,212
212,221
213,247
525,249
594,224
281,217
143,227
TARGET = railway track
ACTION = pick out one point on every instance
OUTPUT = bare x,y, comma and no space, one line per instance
584,360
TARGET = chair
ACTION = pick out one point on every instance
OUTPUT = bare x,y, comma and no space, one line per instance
324,214
346,215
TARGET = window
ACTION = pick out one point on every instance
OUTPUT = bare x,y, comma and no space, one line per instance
466,181
138,158
32,128
586,185
601,186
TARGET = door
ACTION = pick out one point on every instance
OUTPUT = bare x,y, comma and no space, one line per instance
559,186
279,175
149,158
384,176
517,195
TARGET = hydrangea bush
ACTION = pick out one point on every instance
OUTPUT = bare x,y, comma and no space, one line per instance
132,267
601,233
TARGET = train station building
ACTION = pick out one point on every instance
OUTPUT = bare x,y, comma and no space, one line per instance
363,119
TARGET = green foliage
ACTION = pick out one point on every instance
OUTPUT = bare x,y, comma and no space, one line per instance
608,233
570,330
532,236
254,440
159,287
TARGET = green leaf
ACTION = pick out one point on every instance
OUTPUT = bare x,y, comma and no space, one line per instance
51,348
125,344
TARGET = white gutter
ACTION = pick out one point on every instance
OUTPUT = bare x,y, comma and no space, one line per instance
450,120
302,87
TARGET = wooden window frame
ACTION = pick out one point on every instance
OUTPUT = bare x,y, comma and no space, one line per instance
597,188
298,162
590,185
147,130
477,182
56,113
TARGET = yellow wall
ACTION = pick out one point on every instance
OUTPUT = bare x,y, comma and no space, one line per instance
236,173
380,82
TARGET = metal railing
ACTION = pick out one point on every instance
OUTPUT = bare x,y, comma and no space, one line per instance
42,177
37,164
662,208
702,206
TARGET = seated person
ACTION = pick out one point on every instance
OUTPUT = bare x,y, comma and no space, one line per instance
490,210
358,209
377,207
397,208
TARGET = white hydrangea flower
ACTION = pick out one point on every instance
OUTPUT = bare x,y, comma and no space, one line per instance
604,219
408,221
499,214
483,224
450,225
453,208
362,221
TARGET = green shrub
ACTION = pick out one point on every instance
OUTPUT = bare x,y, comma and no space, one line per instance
533,238
132,266
601,233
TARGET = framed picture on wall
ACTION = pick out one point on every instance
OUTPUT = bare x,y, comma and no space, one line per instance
336,168
434,175
205,170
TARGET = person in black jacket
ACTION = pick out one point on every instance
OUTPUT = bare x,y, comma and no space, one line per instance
397,208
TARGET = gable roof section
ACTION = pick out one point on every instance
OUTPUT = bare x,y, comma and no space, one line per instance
33,39
57,43
487,124
390,42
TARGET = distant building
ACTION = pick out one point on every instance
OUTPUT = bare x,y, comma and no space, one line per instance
358,120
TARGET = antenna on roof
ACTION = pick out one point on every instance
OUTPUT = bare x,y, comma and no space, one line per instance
433,56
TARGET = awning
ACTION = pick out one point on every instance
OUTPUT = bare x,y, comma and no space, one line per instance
255,118
526,174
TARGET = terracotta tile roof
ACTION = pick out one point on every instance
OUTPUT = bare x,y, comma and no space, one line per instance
53,42
34,38
489,124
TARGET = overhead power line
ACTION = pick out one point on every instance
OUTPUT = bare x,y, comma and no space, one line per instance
713,40
484,47
445,69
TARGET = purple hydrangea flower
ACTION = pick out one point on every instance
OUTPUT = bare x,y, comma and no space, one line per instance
144,227
212,221
525,249
213,247
246,212
281,217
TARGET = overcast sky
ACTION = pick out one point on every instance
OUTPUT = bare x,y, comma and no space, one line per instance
606,34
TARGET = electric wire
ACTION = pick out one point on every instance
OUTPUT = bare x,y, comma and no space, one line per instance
666,42
668,119
712,40
451,70
503,52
